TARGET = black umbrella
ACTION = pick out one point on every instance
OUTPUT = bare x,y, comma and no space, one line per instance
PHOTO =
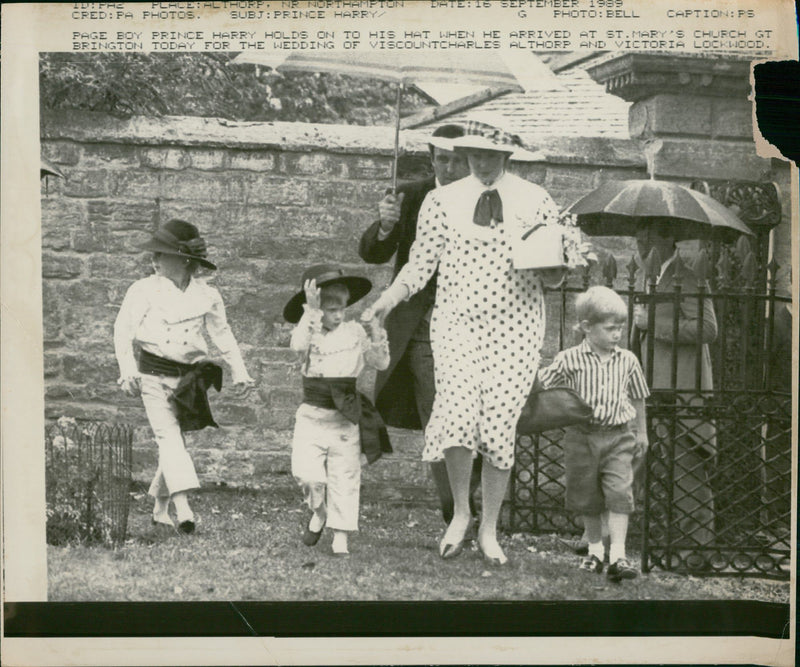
621,208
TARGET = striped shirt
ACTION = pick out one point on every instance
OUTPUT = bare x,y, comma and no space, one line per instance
606,385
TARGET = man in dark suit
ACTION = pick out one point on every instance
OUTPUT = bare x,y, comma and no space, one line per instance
404,392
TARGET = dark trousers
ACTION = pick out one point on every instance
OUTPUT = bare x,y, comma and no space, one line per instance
420,360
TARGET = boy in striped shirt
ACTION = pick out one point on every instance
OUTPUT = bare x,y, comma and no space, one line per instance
600,457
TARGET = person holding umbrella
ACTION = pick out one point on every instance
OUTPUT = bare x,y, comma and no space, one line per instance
695,439
487,324
404,391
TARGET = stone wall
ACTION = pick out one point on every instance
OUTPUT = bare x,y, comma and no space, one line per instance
270,198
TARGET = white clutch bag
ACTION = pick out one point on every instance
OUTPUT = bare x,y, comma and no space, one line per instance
541,247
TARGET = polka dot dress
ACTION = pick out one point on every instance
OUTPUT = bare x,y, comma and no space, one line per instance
488,323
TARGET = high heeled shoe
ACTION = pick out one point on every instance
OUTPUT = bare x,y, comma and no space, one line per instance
494,561
448,550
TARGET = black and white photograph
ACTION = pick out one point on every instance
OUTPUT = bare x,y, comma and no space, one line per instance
562,275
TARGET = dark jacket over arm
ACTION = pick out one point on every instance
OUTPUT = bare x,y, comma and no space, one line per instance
394,389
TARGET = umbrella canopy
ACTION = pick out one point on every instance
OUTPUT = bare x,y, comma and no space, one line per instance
503,70
621,208
47,169
516,69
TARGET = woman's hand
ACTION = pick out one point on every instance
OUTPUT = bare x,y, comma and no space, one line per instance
131,385
312,293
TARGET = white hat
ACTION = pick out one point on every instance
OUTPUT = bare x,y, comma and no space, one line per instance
485,131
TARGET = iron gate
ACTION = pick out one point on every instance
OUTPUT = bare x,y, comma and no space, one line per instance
714,496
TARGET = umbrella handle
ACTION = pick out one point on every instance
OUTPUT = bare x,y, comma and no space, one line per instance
396,137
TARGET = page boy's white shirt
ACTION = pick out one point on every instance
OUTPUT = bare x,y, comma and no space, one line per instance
343,352
168,322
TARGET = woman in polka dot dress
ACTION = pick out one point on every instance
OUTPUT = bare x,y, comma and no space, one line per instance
487,325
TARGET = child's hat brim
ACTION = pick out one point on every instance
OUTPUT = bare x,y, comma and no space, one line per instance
358,287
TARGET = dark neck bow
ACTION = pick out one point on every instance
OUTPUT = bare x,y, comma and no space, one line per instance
488,208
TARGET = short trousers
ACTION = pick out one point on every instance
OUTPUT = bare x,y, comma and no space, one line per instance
599,468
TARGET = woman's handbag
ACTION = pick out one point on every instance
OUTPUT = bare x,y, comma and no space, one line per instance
556,407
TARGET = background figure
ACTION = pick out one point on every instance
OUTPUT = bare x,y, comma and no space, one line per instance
695,443
404,391
162,355
487,325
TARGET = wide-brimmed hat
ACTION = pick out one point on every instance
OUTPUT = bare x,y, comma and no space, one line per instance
487,133
324,275
179,238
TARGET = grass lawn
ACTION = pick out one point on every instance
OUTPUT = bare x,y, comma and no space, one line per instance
248,548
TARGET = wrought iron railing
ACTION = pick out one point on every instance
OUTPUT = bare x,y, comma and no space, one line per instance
716,493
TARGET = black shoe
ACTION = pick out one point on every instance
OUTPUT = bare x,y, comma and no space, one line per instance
186,527
310,538
581,549
591,564
621,569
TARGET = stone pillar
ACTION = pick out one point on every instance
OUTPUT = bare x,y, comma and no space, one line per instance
697,106
699,109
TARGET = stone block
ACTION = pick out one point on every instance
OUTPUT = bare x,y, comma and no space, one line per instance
164,157
305,164
123,214
279,419
712,160
530,171
228,412
235,469
108,266
59,216
136,184
88,183
104,155
51,186
278,374
343,194
670,115
52,364
359,167
259,161
732,119
61,266
572,177
208,159
60,408
275,191
271,463
61,152
203,216
611,174
90,368
198,187
89,324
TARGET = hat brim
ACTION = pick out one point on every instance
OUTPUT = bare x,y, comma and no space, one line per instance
358,286
442,143
155,245
524,155
482,143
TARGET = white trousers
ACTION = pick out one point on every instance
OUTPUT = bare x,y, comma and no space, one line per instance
175,471
326,462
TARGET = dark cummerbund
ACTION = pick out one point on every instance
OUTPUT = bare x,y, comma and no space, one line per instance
318,391
152,364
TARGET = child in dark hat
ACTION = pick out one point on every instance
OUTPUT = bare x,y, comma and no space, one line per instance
162,355
335,424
